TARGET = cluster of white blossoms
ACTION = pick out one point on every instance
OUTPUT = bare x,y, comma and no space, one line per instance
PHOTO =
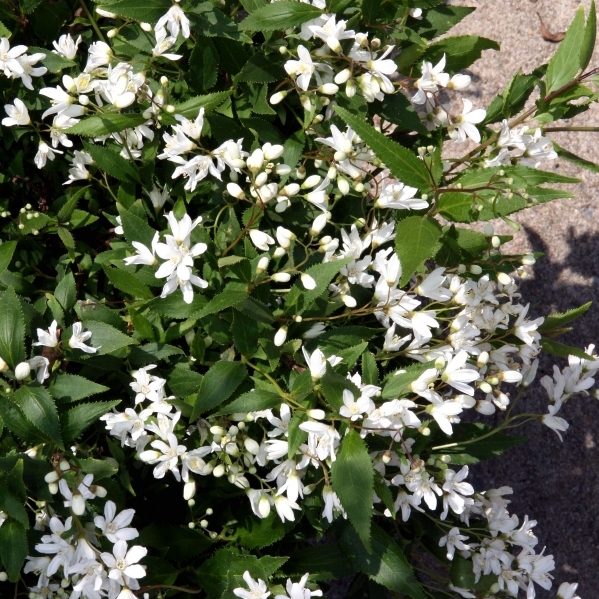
258,589
40,365
73,565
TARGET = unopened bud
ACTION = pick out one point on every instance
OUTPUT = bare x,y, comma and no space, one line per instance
281,277
528,260
489,229
504,278
22,371
328,89
235,191
146,27
280,336
262,265
495,241
3,366
278,97
83,100
64,465
350,88
112,33
475,269
387,457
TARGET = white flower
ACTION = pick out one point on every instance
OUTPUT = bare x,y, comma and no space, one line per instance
175,21
27,63
78,339
566,590
157,197
41,365
301,69
17,114
123,564
164,43
144,255
44,153
257,588
352,408
398,196
116,527
453,540
8,58
298,590
48,338
78,171
555,422
99,54
462,126
332,32
66,46
285,507
261,240
165,456
457,377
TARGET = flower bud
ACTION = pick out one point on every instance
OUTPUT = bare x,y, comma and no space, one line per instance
328,89
219,470
78,504
22,371
262,265
485,387
235,191
306,103
489,230
495,241
53,488
272,151
279,252
255,160
64,465
307,281
3,576
278,96
261,179
318,225
504,278
316,413
528,260
343,185
281,277
106,13
482,359
280,336
191,525
3,366
348,300
342,76
252,446
146,27
351,88
475,269
297,318
189,490
510,376
83,100
311,181
112,33
51,477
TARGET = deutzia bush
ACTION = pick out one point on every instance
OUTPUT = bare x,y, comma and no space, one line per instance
248,343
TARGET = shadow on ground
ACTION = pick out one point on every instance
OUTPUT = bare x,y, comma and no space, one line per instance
557,483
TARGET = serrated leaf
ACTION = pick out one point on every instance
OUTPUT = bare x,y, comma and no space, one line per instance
69,388
203,64
180,543
255,533
386,564
578,160
398,384
565,63
140,10
416,240
13,548
218,384
370,371
191,108
98,125
352,477
128,283
397,109
441,19
458,207
233,55
12,329
7,249
255,309
245,334
279,15
16,422
153,352
555,321
252,401
261,69
225,299
590,34
112,163
460,51
350,355
560,349
106,337
65,292
324,562
402,163
77,419
295,435
37,406
135,228
99,468
11,504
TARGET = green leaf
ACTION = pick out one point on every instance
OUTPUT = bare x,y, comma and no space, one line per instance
4,31
225,299
560,349
129,283
12,329
112,163
233,55
370,371
386,564
252,401
458,207
140,10
279,15
398,384
255,533
565,63
261,69
69,388
16,484
153,352
460,51
203,64
590,34
191,108
12,504
557,321
105,124
37,406
106,338
254,309
578,160
7,249
77,419
218,384
397,109
13,548
65,292
99,468
135,228
16,422
296,436
402,163
441,19
324,562
352,477
245,334
416,240
512,99
180,543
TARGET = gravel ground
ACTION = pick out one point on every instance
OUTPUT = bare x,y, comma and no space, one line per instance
555,483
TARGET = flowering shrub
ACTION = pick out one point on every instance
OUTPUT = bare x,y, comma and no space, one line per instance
247,344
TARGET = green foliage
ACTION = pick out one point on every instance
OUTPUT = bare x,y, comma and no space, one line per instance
12,329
